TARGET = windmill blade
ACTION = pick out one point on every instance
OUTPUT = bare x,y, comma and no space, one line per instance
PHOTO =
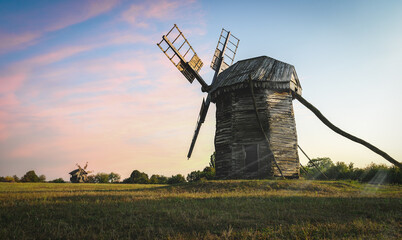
200,121
179,51
223,59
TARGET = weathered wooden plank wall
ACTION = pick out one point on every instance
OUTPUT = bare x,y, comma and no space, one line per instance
283,136
223,137
237,126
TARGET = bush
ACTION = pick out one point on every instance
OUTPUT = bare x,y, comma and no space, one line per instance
176,179
30,176
194,176
91,179
127,180
9,179
208,173
57,180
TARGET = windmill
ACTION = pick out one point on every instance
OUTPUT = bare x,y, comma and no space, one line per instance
255,126
79,175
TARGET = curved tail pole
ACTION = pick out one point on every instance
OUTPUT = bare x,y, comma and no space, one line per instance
345,134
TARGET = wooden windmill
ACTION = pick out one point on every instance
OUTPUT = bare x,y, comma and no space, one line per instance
255,127
80,175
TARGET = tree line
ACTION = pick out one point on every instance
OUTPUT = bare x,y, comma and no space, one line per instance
318,168
31,176
325,169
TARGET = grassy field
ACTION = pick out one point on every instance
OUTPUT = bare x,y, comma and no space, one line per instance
261,209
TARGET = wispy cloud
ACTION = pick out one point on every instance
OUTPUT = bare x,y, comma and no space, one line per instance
49,19
139,15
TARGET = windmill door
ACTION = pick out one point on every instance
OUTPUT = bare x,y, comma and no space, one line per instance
251,160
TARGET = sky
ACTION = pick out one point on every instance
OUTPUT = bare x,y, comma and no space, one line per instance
84,81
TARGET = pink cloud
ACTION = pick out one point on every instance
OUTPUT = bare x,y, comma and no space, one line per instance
11,41
55,56
59,16
10,82
8,99
82,12
140,14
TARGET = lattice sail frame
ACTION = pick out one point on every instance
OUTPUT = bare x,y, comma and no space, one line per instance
179,51
228,58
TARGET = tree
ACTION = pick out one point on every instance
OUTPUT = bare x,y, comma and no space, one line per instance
158,179
194,176
30,176
162,179
42,178
139,177
322,163
212,160
102,178
114,177
16,179
176,179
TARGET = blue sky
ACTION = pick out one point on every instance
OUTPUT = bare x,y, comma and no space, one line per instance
84,80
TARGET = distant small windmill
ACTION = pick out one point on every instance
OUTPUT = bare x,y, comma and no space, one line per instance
255,127
79,175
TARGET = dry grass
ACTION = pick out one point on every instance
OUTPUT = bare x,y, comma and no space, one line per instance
261,209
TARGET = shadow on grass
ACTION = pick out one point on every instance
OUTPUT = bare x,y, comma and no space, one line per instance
117,217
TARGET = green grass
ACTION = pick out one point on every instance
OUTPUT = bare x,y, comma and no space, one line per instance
261,209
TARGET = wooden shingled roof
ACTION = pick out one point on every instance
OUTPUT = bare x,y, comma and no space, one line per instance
77,170
265,72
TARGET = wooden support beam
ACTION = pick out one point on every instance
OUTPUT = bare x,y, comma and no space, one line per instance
345,134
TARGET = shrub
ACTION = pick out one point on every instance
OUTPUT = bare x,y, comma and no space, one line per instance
91,179
9,179
176,179
208,173
127,180
58,180
194,176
